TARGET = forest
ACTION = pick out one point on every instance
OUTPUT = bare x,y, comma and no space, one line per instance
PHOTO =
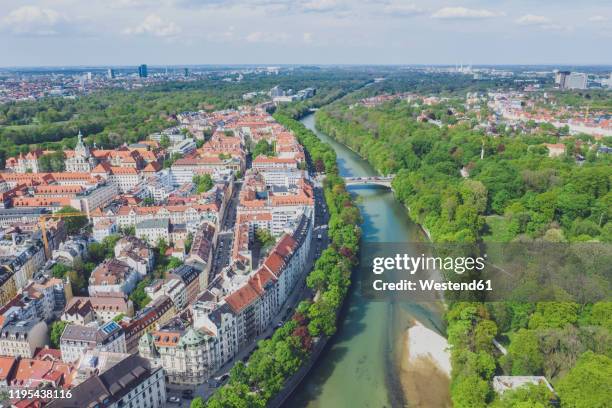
463,186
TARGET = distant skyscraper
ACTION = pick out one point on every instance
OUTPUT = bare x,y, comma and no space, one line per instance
142,71
576,80
186,72
560,78
110,73
276,92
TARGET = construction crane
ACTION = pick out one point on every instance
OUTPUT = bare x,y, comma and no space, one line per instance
42,222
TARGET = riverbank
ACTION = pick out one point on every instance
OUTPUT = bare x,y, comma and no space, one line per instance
362,364
425,361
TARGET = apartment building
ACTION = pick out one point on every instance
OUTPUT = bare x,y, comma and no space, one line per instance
154,230
131,383
83,310
76,340
189,214
21,338
152,317
230,313
112,276
135,253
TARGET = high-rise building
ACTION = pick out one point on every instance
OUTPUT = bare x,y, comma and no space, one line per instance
110,73
186,72
142,71
277,91
560,78
576,80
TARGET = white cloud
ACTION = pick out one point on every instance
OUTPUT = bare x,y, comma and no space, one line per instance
155,25
464,13
531,19
262,37
33,20
543,23
597,19
320,6
402,9
307,38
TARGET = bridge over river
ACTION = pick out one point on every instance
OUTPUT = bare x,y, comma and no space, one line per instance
384,181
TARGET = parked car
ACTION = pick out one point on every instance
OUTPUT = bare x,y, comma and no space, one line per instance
176,400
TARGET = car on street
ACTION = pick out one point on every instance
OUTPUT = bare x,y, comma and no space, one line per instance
174,399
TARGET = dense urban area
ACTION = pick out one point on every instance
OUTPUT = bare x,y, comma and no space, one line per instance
177,237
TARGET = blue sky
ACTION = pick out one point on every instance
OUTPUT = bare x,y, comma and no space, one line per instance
175,32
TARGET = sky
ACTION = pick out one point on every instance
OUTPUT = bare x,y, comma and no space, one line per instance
182,32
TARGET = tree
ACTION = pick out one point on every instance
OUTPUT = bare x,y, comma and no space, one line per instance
524,355
119,317
470,392
264,237
263,148
57,328
78,281
59,270
164,141
203,183
162,246
173,263
197,402
75,223
52,162
587,385
553,315
236,396
528,396
96,252
129,230
139,296
188,242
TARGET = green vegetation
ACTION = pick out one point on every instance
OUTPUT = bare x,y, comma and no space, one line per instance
197,402
278,358
57,328
73,224
119,317
203,183
52,162
138,296
515,193
322,156
97,252
529,396
59,270
528,193
263,148
587,385
264,237
112,117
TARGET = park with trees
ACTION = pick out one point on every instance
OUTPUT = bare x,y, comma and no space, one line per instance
466,187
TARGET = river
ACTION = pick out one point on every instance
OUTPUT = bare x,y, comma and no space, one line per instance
363,363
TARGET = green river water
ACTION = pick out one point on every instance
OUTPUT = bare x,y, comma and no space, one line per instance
359,368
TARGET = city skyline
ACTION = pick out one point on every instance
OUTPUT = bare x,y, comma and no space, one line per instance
321,32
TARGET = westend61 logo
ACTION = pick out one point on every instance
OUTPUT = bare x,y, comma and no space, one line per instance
412,264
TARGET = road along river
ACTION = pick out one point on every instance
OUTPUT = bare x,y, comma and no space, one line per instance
385,354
